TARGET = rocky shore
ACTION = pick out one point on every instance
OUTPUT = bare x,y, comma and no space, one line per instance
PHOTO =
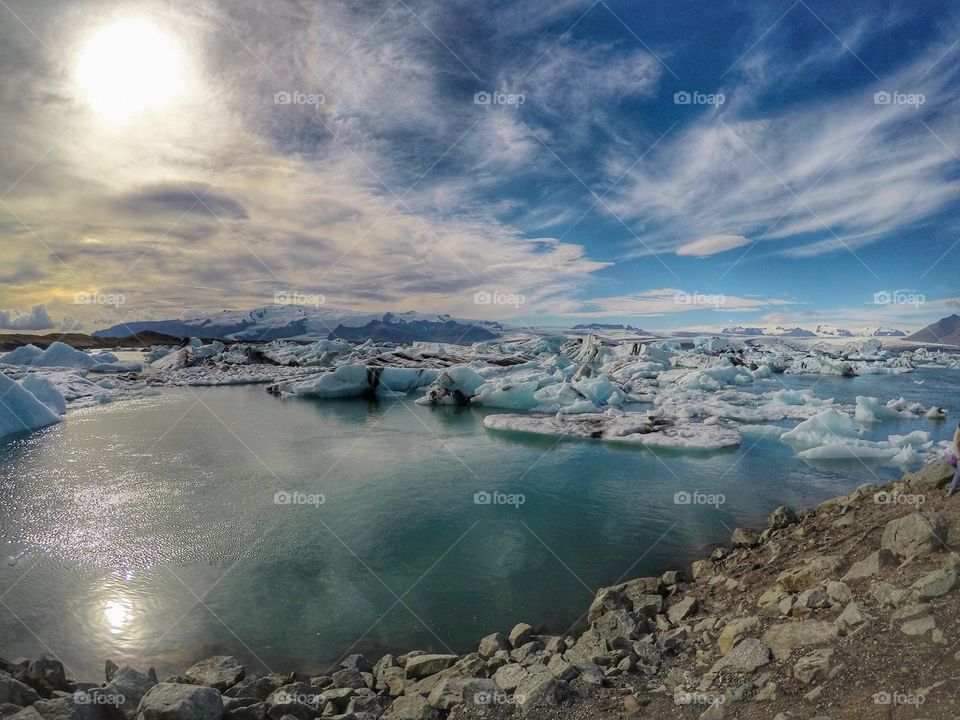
847,610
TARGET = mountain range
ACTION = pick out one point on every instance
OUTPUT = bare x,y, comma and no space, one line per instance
945,331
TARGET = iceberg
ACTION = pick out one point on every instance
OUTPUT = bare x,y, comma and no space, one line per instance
20,410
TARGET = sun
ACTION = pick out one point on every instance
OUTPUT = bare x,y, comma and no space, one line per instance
129,67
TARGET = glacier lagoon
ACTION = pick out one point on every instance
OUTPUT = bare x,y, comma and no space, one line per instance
151,531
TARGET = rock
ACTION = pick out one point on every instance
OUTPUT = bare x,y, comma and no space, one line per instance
393,680
781,518
813,667
71,707
411,707
915,534
588,648
301,701
367,706
555,646
110,667
930,477
814,572
631,704
453,691
491,643
259,688
783,638
616,625
125,690
17,693
734,631
812,599
509,677
918,626
387,661
51,670
348,678
423,665
744,538
220,672
701,569
520,635
671,577
540,690
608,599
254,711
934,584
839,592
561,669
770,692
683,609
744,658
27,713
358,663
870,566
716,711
851,618
889,595
673,639
648,605
166,701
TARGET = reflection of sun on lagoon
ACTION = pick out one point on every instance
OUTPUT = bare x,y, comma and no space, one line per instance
118,614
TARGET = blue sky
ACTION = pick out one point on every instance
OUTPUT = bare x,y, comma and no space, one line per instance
664,164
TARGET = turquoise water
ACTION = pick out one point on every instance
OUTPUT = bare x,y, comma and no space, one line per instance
147,531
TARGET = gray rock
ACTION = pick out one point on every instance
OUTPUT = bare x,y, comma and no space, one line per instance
491,643
358,663
683,609
616,625
673,639
70,708
746,657
219,671
813,667
889,595
17,693
930,477
109,668
839,592
870,565
411,707
934,584
28,713
521,634
590,647
781,518
783,638
51,670
915,534
254,711
7,709
453,691
744,538
817,570
166,701
540,690
125,690
851,618
561,669
812,599
368,705
422,666
258,687
509,677
918,626
734,631
606,600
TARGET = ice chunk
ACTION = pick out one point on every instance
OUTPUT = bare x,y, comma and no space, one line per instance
23,355
46,392
59,354
822,429
20,410
120,366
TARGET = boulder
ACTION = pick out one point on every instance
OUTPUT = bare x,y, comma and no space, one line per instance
358,663
125,690
817,570
813,667
701,569
491,643
746,657
509,677
783,638
608,599
70,708
349,678
744,538
735,631
916,534
220,672
616,625
423,665
838,592
781,518
930,477
919,626
521,634
453,691
870,565
889,595
168,701
540,690
934,584
258,687
298,700
851,618
51,670
17,693
683,609
411,707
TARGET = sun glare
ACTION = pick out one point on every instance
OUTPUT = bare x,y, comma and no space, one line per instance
129,67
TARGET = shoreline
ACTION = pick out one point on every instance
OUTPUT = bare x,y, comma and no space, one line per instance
752,631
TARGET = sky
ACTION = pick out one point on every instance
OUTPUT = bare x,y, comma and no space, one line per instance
681,164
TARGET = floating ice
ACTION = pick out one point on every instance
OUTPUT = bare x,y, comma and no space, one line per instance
20,410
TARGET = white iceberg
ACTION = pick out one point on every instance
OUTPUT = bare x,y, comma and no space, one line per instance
20,410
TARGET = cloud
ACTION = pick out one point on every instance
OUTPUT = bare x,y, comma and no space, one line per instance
712,244
669,301
36,319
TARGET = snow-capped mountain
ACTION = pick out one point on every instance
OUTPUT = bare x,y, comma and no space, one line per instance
832,331
880,332
299,322
823,330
